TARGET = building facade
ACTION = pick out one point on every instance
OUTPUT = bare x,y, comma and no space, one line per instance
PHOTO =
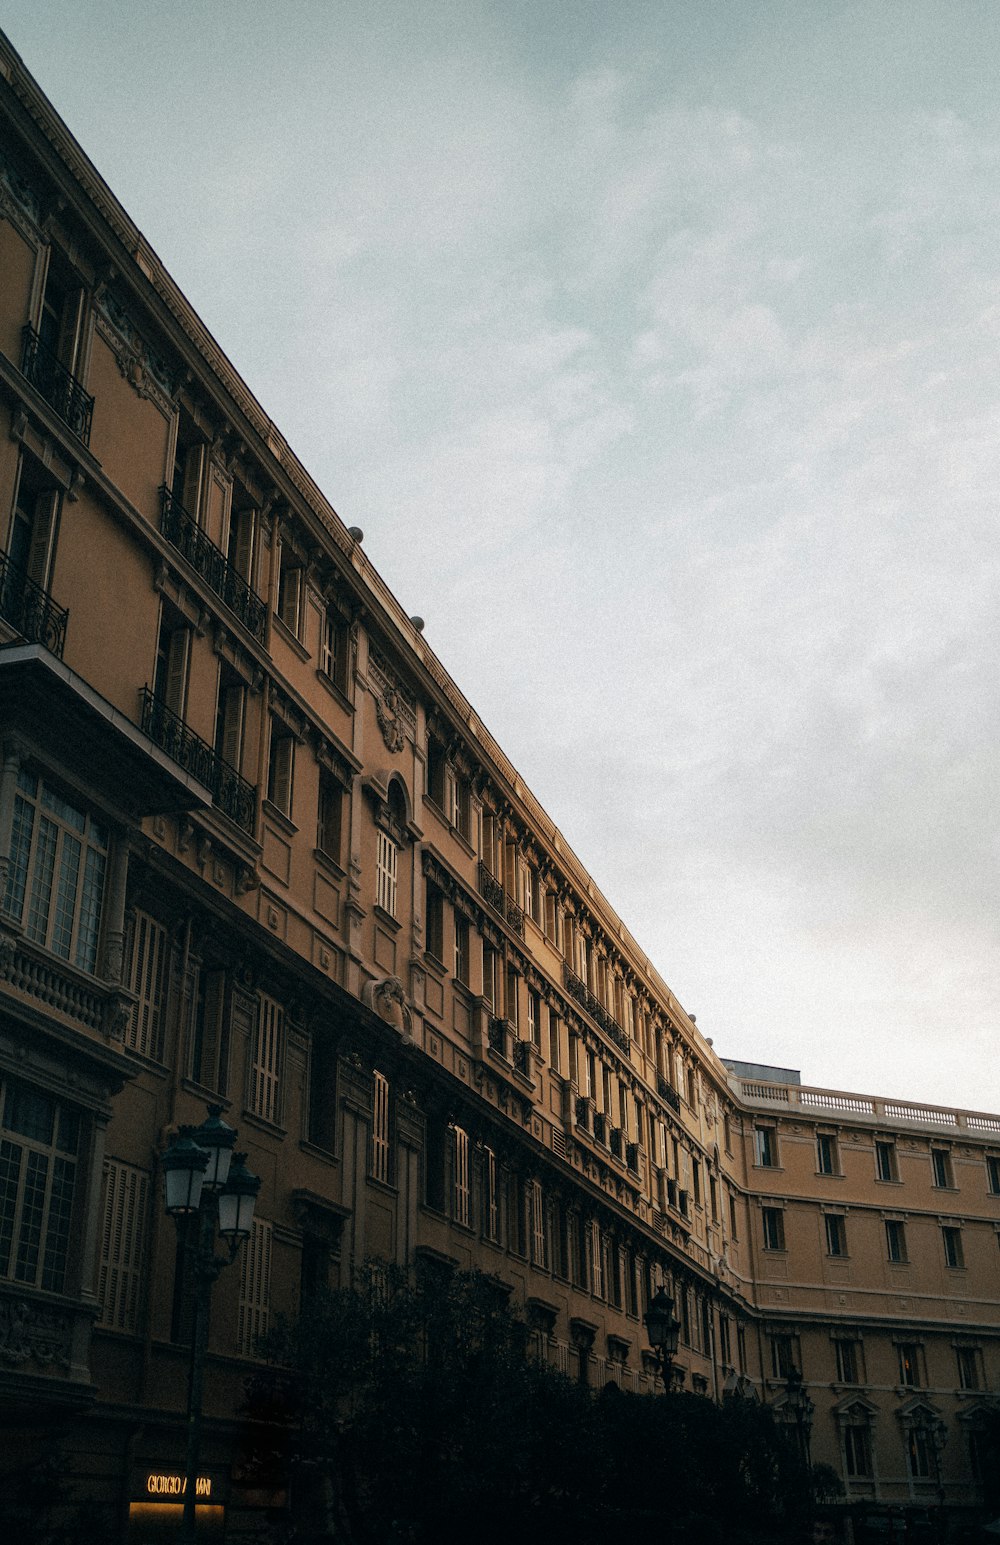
257,850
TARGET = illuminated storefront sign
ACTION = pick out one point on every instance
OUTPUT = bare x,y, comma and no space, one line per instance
159,1484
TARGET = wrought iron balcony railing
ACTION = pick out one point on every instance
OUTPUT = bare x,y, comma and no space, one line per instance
30,609
61,390
595,1008
234,795
183,531
667,1092
493,892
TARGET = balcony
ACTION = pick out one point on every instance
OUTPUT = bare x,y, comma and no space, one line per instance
492,891
61,390
234,796
30,610
577,987
183,532
667,1092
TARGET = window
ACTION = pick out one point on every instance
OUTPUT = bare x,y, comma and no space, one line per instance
435,922
61,317
461,949
895,1240
909,1354
848,1354
461,1193
187,477
951,1239
766,1147
329,816
386,872
34,523
170,674
885,1161
334,649
210,1008
147,978
437,771
119,1281
490,966
512,1003
266,1059
460,808
322,1091
836,1235
941,1170
773,1225
380,1128
782,1356
993,1174
255,1288
229,722
858,1451
491,1210
918,1452
826,1154
55,885
281,768
535,1020
539,1230
555,1042
733,1217
551,917
39,1146
242,539
968,1367
290,591
596,1260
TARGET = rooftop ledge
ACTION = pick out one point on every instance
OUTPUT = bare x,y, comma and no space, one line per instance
865,1109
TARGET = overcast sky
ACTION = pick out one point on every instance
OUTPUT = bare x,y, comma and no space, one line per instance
654,347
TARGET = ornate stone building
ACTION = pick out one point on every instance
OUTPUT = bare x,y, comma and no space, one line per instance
257,849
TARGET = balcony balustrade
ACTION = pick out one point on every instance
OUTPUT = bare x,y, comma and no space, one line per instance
48,375
492,891
667,1092
31,610
183,532
234,795
595,1008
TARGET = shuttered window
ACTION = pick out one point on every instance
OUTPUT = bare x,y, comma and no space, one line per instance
491,1209
126,1196
265,1066
255,1288
148,979
539,1233
380,1127
460,1190
386,869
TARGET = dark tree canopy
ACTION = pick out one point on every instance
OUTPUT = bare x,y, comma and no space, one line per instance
418,1417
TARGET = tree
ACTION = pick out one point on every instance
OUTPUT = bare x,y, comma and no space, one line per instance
419,1418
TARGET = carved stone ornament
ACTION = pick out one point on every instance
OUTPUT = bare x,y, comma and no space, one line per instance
388,1000
30,1333
387,711
144,371
19,202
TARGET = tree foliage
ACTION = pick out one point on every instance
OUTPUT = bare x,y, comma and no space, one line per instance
419,1418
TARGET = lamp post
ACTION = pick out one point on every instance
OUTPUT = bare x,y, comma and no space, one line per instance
797,1401
207,1189
662,1329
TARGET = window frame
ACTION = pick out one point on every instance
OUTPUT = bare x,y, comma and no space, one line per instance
54,895
772,1225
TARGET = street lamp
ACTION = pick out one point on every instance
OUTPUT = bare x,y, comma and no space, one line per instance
662,1329
207,1188
797,1401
